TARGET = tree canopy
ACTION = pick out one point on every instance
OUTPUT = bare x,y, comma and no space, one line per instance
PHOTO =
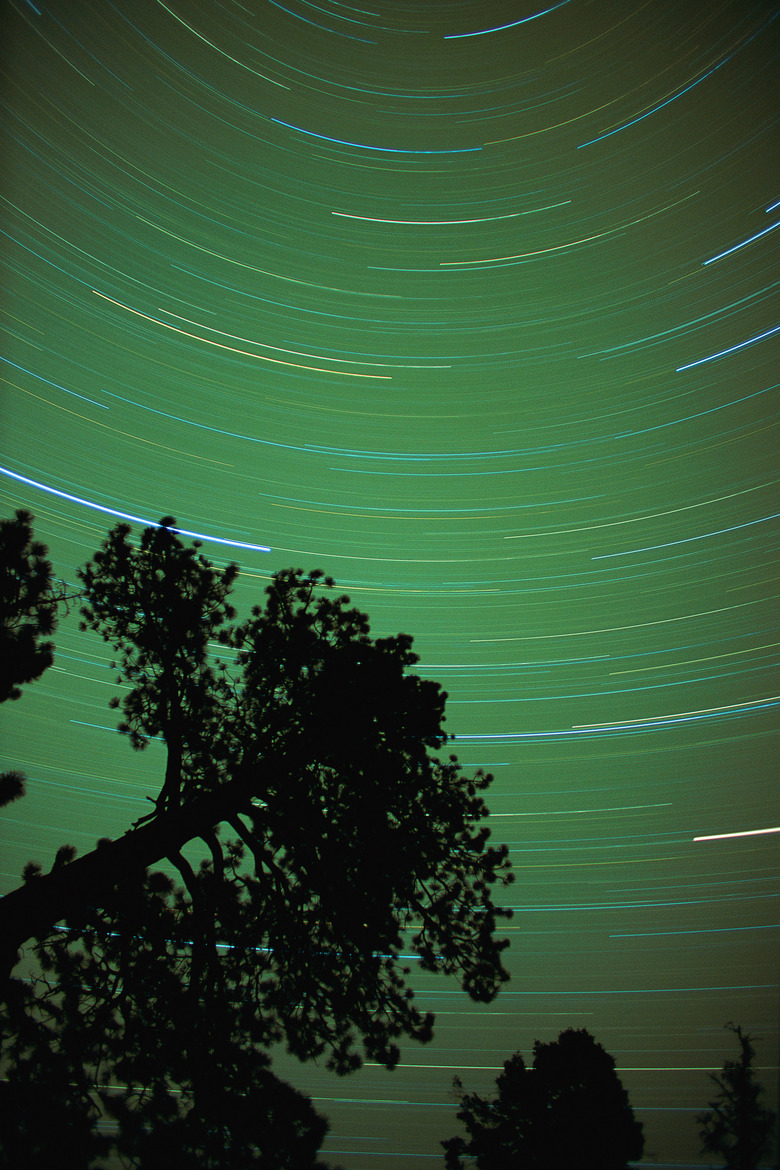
110,1049
569,1109
315,835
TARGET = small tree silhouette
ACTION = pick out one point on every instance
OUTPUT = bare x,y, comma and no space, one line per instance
568,1110
737,1126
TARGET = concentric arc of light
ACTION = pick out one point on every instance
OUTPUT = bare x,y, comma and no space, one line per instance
637,519
614,231
732,349
483,32
216,48
280,349
367,146
128,516
260,357
56,385
680,93
649,723
447,222
687,539
746,706
742,244
618,629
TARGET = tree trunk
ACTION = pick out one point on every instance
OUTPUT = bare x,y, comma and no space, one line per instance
35,907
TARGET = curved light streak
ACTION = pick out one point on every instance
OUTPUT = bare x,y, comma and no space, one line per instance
732,349
742,244
52,491
483,32
366,146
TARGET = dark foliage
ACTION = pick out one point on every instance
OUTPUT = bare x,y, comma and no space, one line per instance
736,1126
159,606
568,1110
112,1049
28,613
316,834
28,606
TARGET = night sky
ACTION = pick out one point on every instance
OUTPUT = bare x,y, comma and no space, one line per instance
473,306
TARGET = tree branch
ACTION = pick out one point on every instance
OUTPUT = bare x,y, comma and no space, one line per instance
92,880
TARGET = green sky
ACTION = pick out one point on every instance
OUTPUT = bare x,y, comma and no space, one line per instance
473,306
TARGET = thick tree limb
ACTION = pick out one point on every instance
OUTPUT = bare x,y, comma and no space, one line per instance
92,880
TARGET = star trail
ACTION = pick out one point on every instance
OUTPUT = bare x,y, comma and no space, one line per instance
473,306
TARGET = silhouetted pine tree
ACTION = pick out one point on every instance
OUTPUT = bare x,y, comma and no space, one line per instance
316,836
568,1110
736,1126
